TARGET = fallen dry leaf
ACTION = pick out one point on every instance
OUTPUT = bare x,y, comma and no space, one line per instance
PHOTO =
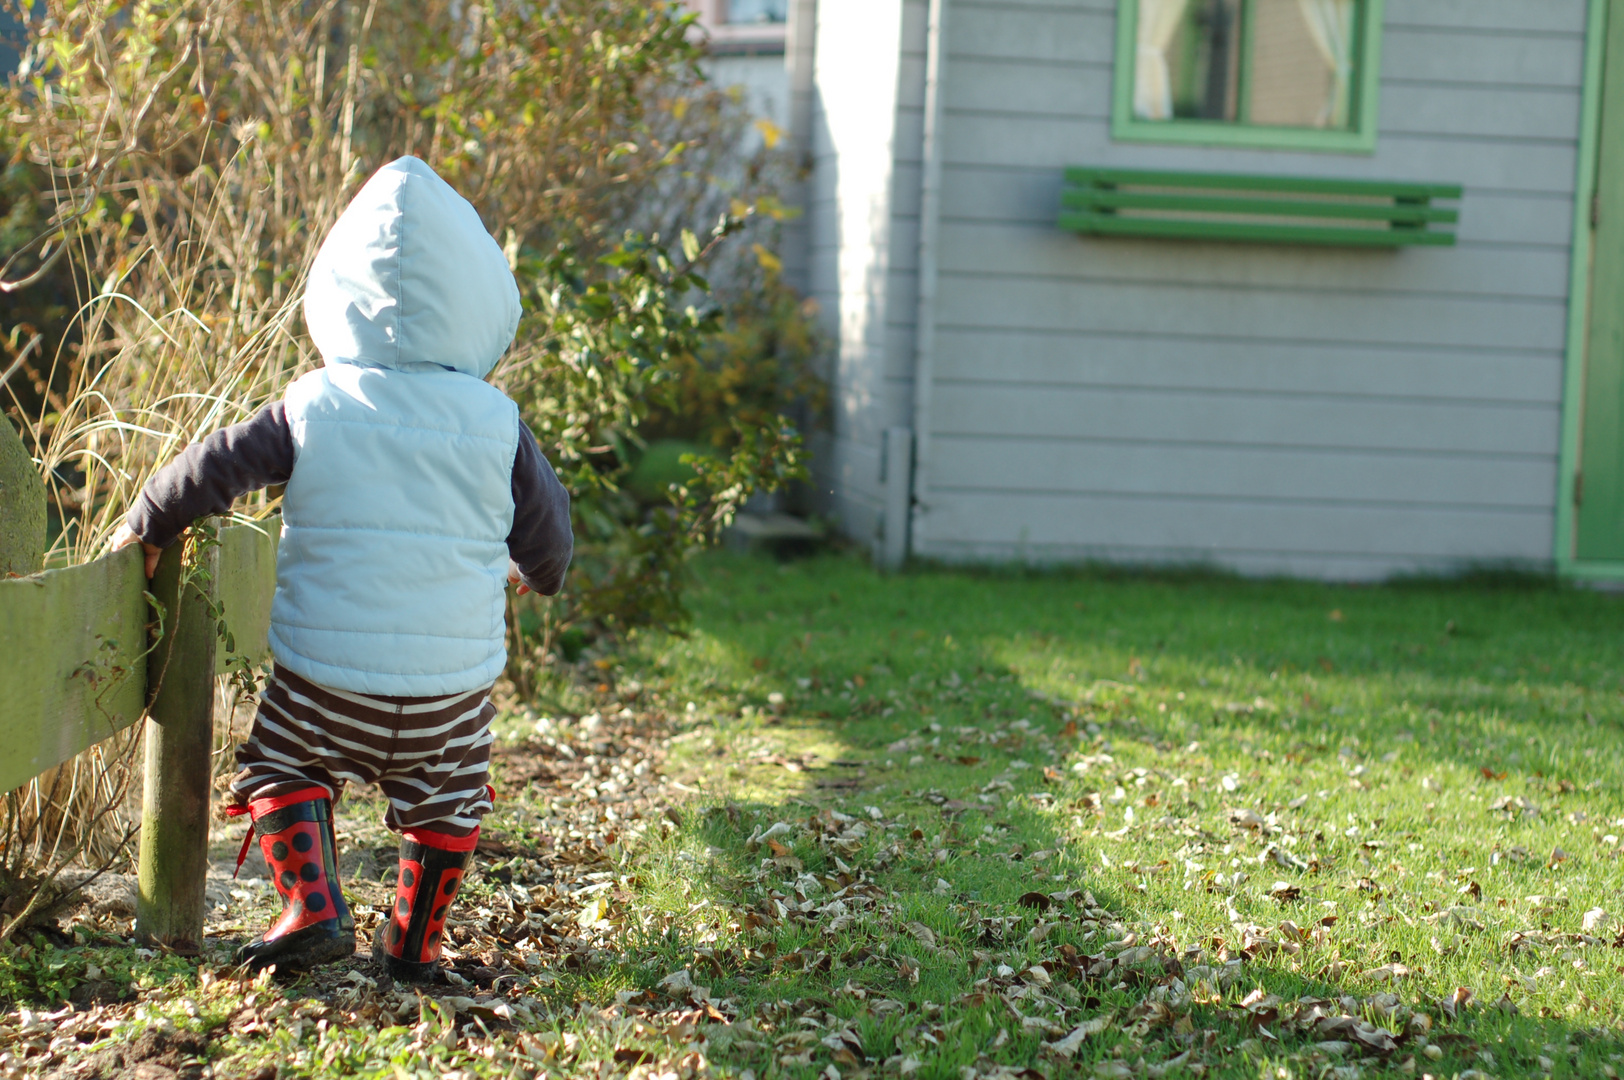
922,934
1071,1043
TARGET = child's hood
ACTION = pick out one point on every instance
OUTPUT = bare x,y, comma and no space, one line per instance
408,276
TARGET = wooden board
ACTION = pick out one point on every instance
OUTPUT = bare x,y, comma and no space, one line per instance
1261,562
75,642
1042,251
22,506
1410,43
1057,142
1028,88
848,470
1325,421
1081,90
1165,362
1489,59
1175,227
1178,183
1600,496
1488,111
1256,208
1219,311
1020,195
908,141
915,26
1023,526
246,585
1011,33
1089,467
172,860
1543,16
1106,8
74,673
1540,16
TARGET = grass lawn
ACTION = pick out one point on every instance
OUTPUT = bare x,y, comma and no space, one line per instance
948,825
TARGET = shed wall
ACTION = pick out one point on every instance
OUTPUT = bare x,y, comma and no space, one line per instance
863,227
1274,409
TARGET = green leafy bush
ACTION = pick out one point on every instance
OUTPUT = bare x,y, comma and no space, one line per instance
761,363
598,354
195,152
186,157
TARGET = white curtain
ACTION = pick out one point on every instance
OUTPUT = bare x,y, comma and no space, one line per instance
1330,24
1152,80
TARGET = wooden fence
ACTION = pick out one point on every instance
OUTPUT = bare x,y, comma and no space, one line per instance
82,658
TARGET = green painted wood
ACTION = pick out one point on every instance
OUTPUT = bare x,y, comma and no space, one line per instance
1599,497
1243,76
1111,225
74,639
72,673
1563,540
1096,199
78,669
172,865
1305,185
245,586
1188,210
22,506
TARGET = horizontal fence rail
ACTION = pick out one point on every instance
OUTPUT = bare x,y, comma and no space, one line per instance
86,651
75,646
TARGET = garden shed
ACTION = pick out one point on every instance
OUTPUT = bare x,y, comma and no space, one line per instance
1327,288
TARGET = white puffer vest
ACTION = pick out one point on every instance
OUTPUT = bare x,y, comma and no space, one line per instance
393,558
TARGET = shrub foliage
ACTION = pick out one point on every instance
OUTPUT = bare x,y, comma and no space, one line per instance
192,153
174,164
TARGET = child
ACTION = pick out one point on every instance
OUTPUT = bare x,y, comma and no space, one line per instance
414,494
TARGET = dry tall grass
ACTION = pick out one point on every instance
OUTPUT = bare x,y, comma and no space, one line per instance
180,335
195,153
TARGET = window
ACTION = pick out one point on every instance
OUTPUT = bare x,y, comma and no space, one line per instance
1293,74
752,12
743,26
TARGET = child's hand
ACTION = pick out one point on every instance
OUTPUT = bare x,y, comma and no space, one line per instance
514,579
126,536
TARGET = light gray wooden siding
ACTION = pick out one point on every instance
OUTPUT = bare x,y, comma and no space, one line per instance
864,236
1273,409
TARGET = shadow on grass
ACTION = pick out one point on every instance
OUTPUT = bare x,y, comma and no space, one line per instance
1361,797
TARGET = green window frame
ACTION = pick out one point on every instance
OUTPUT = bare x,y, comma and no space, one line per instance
1358,138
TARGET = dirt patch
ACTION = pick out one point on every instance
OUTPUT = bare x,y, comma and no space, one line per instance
154,1055
101,992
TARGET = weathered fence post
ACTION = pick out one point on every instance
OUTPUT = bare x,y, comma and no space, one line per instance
22,506
174,858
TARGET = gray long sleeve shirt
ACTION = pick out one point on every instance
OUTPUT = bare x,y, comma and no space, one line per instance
208,476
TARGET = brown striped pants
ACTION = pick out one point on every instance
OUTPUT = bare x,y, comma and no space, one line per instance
429,755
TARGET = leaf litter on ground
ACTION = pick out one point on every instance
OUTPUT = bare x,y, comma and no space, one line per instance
967,876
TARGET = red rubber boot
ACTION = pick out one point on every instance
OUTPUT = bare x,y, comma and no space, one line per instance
432,865
296,835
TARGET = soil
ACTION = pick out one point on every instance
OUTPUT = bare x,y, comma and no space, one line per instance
155,1055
